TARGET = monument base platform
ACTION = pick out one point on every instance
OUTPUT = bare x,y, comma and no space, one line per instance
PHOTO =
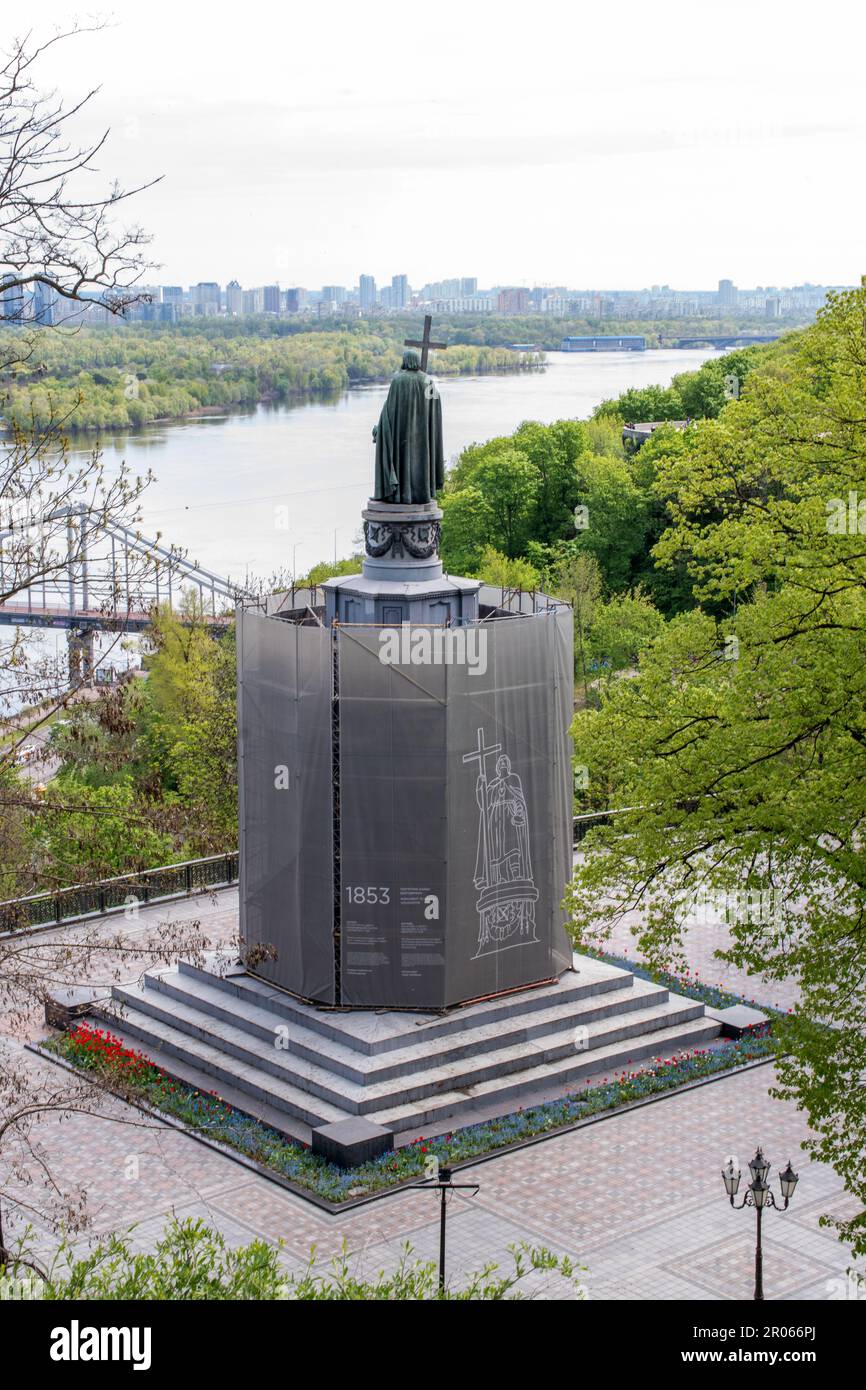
300,1068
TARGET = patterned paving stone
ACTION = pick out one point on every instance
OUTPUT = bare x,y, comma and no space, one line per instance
637,1198
726,1269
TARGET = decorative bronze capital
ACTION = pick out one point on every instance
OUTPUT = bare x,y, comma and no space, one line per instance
418,539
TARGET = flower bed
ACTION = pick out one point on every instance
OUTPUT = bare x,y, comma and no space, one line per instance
689,983
96,1050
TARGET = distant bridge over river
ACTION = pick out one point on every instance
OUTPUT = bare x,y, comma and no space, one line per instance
110,579
724,340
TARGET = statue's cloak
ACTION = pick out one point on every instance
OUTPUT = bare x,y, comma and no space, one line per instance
410,460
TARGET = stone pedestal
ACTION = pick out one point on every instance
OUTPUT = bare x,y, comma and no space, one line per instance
401,541
402,579
355,1084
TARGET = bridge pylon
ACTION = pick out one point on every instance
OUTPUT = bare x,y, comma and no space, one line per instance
80,647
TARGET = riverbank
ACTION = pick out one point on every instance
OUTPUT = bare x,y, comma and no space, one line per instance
123,379
265,487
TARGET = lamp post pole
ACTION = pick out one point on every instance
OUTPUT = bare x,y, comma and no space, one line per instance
443,1184
759,1196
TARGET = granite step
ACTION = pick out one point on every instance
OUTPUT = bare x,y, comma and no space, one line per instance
508,1092
381,1030
261,1022
217,1069
192,1075
148,1014
178,1052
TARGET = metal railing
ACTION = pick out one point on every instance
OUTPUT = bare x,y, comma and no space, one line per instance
85,900
585,822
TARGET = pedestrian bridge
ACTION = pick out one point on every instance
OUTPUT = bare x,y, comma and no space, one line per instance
73,568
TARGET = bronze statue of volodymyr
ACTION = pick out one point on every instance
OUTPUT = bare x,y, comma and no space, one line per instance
410,460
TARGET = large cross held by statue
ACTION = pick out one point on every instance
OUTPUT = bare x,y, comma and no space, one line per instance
424,342
481,752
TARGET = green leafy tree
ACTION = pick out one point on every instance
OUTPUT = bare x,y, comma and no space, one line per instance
84,833
496,568
706,392
742,739
616,518
577,579
519,495
509,484
622,629
466,527
554,451
669,585
644,403
188,726
332,569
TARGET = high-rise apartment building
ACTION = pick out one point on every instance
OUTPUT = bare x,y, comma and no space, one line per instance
206,296
727,293
367,291
234,298
13,304
271,299
44,306
513,300
465,304
400,292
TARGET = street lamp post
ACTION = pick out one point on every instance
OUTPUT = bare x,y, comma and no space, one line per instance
759,1196
444,1184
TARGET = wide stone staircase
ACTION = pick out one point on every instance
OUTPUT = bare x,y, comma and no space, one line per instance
300,1067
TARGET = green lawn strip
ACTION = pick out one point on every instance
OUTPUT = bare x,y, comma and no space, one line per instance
212,1117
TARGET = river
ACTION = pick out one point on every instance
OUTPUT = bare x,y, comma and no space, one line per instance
279,487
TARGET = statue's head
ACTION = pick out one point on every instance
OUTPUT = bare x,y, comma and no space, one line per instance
411,361
503,765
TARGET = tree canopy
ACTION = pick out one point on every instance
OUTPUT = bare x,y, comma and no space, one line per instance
742,738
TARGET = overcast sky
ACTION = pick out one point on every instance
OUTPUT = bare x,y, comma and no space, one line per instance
610,145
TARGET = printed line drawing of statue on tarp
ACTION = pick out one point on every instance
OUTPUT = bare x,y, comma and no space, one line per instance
503,865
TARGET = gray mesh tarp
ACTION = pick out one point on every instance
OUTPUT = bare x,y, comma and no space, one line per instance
509,762
286,879
393,776
452,779
455,788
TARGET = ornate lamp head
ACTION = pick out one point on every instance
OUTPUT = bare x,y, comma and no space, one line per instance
759,1167
731,1177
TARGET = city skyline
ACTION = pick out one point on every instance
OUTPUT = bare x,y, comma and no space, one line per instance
303,145
454,297
484,287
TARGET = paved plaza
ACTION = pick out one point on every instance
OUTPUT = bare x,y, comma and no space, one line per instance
636,1198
